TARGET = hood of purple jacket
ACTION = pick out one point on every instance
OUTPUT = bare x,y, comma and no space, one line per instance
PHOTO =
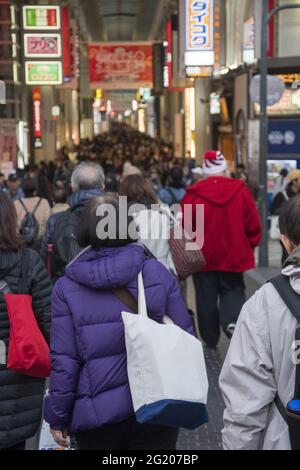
107,267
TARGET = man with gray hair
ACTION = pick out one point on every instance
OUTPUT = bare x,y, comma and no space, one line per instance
88,181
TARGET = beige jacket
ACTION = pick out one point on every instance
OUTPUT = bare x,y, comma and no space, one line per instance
42,214
258,364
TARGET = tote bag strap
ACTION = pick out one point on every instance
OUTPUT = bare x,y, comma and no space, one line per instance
142,298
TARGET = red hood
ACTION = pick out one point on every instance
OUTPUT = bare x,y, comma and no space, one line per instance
218,190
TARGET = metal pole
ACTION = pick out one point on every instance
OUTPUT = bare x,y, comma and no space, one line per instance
263,183
263,203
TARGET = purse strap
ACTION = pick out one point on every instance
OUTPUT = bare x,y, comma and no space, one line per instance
138,307
127,299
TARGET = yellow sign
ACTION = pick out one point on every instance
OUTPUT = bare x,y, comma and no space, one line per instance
200,26
99,94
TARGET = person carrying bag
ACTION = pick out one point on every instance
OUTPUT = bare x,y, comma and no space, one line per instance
25,314
166,369
28,351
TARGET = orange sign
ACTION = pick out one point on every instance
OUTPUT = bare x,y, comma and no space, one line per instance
199,25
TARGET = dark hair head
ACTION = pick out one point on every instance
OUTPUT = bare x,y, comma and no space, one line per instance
176,177
289,220
284,172
138,190
92,229
30,187
60,195
9,236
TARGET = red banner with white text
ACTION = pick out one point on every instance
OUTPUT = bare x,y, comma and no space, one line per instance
123,66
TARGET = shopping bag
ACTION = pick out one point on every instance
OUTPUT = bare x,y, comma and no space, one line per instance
28,351
46,441
166,370
187,261
274,231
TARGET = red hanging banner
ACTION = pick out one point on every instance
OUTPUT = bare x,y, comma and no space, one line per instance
66,38
121,65
271,31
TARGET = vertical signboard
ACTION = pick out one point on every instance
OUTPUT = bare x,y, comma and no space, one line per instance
37,117
199,34
42,44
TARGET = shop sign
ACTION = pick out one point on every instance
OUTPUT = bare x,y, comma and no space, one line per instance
199,32
41,17
284,137
43,73
42,45
37,117
121,65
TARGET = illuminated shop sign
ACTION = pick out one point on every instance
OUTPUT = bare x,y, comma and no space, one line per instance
199,33
41,17
42,45
43,73
37,117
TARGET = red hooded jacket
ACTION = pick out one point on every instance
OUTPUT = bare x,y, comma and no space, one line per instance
232,227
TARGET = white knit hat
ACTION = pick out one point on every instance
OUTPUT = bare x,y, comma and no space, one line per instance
214,163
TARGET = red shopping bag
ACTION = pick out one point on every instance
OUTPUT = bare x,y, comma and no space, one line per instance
28,351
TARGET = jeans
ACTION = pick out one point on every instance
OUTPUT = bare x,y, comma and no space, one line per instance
128,435
220,297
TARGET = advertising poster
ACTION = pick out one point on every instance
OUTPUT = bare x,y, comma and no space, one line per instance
121,65
42,45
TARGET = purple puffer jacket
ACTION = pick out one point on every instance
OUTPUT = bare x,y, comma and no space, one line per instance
89,383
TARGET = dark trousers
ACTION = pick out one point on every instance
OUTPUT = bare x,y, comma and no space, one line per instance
220,297
19,446
128,435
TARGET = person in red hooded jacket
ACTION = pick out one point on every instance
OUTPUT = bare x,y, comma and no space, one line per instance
232,230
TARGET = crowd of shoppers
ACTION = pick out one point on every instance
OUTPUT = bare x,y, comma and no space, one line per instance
89,395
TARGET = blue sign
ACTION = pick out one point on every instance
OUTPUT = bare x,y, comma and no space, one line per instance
284,138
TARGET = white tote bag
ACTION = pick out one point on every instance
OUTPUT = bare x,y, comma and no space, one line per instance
166,370
274,230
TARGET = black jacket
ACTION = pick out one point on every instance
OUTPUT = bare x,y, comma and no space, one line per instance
280,199
21,396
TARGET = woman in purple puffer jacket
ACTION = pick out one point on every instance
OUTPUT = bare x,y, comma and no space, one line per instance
89,391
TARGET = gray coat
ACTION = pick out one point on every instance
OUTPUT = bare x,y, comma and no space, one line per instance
258,365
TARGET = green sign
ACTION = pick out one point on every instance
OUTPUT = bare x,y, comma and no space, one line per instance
43,73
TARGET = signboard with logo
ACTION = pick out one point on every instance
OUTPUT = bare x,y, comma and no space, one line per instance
284,138
43,73
42,45
121,65
41,17
199,33
37,117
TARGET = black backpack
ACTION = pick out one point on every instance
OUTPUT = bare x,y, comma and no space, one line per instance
30,227
65,245
292,301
